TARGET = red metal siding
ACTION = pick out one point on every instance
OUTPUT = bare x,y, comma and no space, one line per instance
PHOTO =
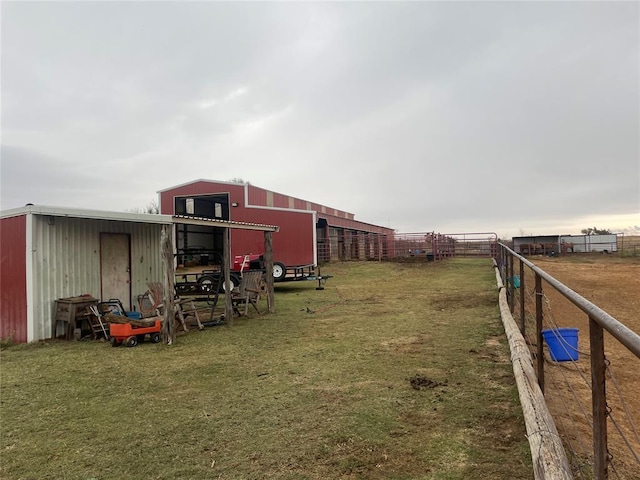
13,278
257,196
292,245
280,201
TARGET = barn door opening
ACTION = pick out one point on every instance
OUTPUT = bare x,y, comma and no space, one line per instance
115,267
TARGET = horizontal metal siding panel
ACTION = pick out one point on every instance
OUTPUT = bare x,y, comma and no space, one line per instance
67,261
13,279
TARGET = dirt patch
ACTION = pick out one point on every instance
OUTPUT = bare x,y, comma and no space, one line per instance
420,382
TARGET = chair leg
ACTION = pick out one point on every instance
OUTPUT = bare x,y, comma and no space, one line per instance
195,314
181,317
254,304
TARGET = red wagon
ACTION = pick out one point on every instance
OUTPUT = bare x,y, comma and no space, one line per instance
131,334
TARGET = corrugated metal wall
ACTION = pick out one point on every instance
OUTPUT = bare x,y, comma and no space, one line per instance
257,196
66,261
280,200
292,245
592,243
13,280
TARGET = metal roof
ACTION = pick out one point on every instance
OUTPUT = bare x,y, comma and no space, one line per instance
211,222
206,180
81,213
133,217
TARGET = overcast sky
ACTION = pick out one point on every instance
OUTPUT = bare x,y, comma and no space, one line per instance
513,117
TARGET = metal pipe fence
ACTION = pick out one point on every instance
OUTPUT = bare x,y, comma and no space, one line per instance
547,307
430,246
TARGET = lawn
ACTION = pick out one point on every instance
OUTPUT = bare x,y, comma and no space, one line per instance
394,371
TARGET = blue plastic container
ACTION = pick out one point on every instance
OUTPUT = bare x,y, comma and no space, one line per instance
562,343
134,315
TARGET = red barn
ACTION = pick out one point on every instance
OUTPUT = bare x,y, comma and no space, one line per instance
309,232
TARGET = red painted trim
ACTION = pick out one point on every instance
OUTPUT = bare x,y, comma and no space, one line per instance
13,278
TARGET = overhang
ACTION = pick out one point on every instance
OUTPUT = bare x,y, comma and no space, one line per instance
212,222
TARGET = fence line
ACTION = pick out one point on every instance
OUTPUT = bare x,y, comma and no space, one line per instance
599,322
548,455
430,246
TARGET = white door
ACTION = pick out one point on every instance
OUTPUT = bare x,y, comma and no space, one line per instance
115,267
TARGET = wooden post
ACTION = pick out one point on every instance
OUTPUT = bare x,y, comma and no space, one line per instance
268,265
168,325
522,297
510,283
539,317
598,400
507,274
226,267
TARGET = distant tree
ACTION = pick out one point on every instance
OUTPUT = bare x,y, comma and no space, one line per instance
151,207
595,231
240,180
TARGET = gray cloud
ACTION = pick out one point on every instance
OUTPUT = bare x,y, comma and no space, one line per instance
420,116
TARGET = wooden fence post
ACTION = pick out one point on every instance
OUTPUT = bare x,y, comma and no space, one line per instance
510,284
226,267
539,317
598,400
522,297
168,324
268,265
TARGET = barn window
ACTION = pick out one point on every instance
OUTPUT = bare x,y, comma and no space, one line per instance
207,206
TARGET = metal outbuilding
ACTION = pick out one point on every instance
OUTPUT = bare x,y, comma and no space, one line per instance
51,252
48,253
537,244
554,244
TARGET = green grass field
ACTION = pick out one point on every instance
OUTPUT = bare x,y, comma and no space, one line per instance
394,371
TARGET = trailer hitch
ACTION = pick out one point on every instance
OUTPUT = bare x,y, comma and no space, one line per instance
322,279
